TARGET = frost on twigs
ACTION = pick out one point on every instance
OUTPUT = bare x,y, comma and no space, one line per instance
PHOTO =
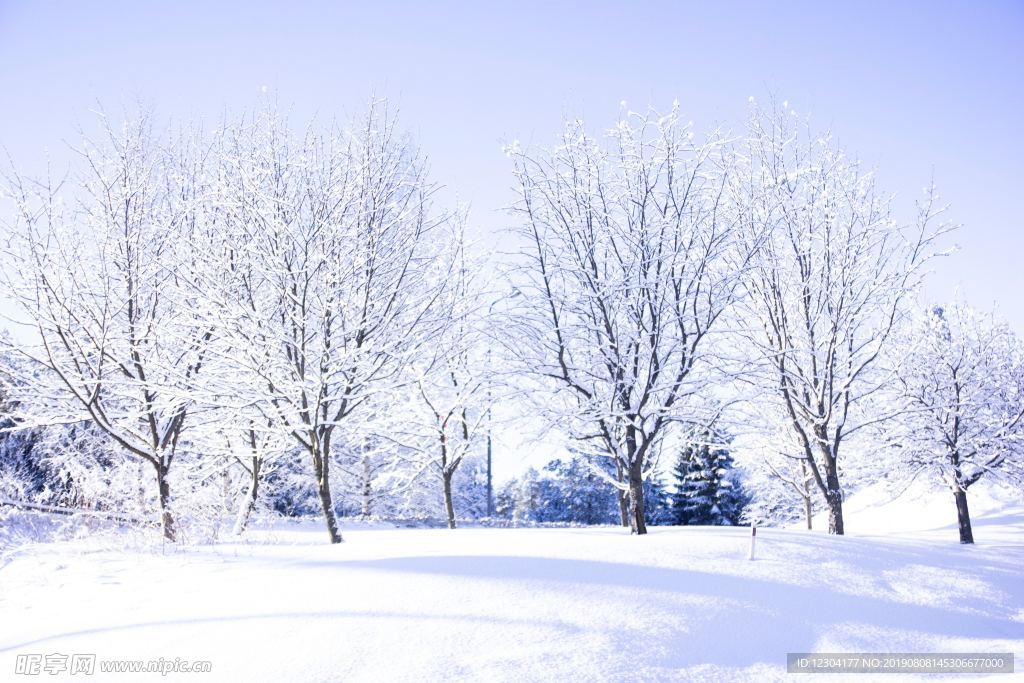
629,269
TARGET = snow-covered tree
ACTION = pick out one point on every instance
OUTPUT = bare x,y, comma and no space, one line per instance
525,497
442,416
694,488
334,240
833,272
775,473
23,474
798,482
961,390
629,265
577,493
250,447
98,266
368,464
707,487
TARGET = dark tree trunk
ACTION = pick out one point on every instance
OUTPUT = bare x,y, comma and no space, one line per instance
963,516
806,492
321,466
621,496
324,490
166,518
835,513
636,499
834,499
449,508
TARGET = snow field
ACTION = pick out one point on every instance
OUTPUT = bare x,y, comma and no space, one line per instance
582,604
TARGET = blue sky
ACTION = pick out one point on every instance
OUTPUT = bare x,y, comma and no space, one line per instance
912,88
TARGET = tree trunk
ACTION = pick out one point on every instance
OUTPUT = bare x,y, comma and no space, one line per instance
963,515
636,499
621,496
249,502
806,492
321,466
835,513
166,519
449,508
834,498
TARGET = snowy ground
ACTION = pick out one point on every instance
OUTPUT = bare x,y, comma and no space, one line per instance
524,604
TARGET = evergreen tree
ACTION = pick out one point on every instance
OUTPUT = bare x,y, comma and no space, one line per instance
585,497
694,498
505,500
657,505
708,491
731,499
678,504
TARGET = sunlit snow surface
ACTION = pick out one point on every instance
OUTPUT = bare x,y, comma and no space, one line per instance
526,604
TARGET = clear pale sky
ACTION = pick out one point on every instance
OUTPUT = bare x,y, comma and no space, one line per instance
912,88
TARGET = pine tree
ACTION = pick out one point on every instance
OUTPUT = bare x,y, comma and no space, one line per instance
586,498
696,493
708,492
657,506
678,506
730,498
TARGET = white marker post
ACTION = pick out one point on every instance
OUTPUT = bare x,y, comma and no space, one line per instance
753,538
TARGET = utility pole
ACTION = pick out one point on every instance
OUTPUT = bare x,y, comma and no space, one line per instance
490,379
490,374
490,484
